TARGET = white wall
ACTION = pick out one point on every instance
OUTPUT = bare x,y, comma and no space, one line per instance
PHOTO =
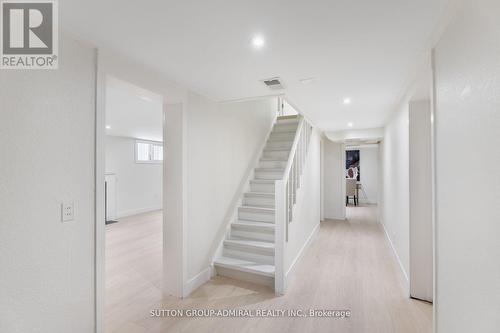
306,215
421,229
47,148
407,137
333,180
222,141
369,164
394,198
138,185
467,123
356,134
174,201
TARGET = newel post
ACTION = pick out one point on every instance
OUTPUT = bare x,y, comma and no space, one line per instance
280,234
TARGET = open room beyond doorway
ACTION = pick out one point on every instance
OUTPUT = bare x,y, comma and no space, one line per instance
133,196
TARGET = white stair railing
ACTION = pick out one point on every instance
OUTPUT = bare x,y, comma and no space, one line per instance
286,197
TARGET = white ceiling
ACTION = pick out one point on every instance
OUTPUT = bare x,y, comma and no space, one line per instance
362,49
132,111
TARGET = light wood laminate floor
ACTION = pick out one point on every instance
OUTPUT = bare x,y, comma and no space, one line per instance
350,265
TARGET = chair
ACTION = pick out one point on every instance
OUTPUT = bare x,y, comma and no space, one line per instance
351,190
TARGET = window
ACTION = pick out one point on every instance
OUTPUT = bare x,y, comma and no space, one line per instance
148,152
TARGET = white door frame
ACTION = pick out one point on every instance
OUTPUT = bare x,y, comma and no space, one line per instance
173,168
100,215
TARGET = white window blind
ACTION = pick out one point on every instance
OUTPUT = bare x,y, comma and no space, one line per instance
148,152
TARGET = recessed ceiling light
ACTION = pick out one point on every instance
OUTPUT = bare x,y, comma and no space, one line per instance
108,127
145,98
350,124
347,101
258,42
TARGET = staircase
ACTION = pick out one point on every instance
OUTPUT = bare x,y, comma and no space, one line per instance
248,251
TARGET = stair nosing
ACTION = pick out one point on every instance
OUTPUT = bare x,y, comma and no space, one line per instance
245,220
238,243
272,159
286,123
259,208
281,132
259,193
271,139
250,222
269,169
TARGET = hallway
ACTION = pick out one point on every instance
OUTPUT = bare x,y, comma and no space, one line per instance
349,266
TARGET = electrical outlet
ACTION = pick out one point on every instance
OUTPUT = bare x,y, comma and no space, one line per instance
67,212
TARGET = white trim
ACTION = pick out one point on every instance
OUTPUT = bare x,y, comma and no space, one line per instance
196,281
434,200
100,214
322,177
132,212
302,250
343,182
397,257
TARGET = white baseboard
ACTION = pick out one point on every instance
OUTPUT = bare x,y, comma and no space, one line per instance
302,250
195,282
132,212
397,257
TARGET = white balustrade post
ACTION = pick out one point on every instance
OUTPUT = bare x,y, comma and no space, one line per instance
280,236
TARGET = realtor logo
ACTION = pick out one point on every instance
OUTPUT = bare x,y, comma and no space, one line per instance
29,38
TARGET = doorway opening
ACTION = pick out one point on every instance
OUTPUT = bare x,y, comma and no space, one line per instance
133,164
361,184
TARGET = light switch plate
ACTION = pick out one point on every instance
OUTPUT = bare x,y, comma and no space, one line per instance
67,211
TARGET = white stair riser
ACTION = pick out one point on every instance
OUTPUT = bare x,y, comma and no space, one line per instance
279,154
258,201
255,216
279,144
272,164
248,255
282,136
244,276
279,137
252,234
294,121
284,128
263,188
268,175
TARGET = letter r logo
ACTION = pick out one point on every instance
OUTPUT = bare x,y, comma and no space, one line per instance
27,27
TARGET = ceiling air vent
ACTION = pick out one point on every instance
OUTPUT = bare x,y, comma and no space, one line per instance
274,83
